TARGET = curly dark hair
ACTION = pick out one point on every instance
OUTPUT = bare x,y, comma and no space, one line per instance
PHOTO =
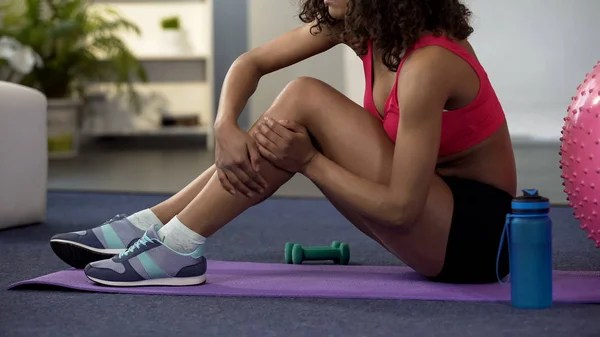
392,25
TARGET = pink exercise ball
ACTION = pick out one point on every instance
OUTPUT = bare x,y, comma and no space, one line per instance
580,154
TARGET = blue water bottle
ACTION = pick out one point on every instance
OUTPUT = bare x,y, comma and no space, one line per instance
530,251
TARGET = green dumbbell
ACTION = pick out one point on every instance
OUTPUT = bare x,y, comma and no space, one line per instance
338,252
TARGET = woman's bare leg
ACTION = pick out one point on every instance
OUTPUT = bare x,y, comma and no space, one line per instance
344,132
167,209
200,214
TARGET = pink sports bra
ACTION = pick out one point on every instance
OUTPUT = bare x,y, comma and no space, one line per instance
461,128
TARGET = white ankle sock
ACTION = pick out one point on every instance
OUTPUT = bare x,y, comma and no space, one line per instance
179,237
144,219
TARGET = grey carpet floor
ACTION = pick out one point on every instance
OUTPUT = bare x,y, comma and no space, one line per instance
260,235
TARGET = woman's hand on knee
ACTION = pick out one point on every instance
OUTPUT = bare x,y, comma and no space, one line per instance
236,159
286,144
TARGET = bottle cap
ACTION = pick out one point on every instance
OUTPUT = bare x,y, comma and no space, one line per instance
530,202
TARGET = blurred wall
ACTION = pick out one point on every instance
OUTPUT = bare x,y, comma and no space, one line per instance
230,41
267,20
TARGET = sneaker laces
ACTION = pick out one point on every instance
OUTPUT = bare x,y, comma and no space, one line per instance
136,246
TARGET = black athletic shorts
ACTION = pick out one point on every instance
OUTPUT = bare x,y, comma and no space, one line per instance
477,225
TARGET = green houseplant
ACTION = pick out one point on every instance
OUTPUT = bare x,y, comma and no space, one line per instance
78,45
171,22
172,37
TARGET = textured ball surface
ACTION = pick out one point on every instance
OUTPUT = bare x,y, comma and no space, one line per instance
580,154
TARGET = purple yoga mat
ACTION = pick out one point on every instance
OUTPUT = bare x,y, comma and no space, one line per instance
332,281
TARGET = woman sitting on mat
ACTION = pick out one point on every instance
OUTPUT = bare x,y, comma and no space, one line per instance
425,168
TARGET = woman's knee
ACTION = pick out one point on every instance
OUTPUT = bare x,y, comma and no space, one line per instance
295,100
303,85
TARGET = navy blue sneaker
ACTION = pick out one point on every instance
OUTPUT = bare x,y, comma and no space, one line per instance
78,249
149,262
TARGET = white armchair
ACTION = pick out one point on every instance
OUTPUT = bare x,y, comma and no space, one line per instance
23,155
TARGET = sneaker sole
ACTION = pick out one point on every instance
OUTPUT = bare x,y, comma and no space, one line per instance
175,281
77,255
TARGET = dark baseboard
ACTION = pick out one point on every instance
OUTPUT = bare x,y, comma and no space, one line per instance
145,143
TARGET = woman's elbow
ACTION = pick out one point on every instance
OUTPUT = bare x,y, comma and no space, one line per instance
248,62
401,216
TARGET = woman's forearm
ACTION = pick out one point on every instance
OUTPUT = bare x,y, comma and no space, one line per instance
368,198
239,85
